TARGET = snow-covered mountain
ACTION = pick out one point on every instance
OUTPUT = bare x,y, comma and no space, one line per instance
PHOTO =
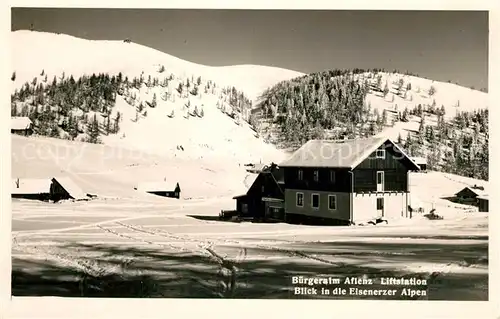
33,51
172,126
444,122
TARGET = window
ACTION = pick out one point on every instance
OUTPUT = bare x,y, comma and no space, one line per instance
380,203
316,175
262,189
315,200
380,177
332,176
380,154
300,174
300,200
332,202
380,181
244,208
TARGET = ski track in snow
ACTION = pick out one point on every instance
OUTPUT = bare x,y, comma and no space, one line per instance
207,248
227,269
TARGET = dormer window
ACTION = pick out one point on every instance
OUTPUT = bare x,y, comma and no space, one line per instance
300,174
316,175
380,154
332,176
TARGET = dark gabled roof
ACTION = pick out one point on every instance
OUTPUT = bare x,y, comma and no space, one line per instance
240,196
271,170
479,192
277,174
339,154
70,187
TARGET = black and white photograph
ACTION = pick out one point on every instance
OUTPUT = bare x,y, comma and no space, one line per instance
249,154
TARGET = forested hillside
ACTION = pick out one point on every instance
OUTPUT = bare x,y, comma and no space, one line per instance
443,122
69,108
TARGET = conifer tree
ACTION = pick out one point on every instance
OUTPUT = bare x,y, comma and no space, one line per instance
108,124
93,130
401,82
194,91
13,109
153,103
432,90
116,128
386,89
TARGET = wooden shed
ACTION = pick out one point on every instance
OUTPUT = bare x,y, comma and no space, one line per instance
55,189
421,162
470,195
64,188
165,189
21,125
483,203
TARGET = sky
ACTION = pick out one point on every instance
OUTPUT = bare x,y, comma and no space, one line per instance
439,45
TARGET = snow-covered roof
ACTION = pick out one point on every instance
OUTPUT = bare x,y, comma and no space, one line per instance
419,160
30,186
256,168
249,180
343,154
239,196
73,189
156,186
478,191
20,123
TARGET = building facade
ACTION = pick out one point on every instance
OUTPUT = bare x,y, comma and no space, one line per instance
265,197
350,181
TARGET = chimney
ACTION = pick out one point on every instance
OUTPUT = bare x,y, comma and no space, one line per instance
17,183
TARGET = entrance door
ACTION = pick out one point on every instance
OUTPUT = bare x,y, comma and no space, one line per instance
380,181
380,206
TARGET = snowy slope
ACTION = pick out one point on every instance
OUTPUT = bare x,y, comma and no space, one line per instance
114,171
57,53
216,134
448,95
453,97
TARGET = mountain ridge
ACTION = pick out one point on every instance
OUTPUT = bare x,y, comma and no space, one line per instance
106,60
